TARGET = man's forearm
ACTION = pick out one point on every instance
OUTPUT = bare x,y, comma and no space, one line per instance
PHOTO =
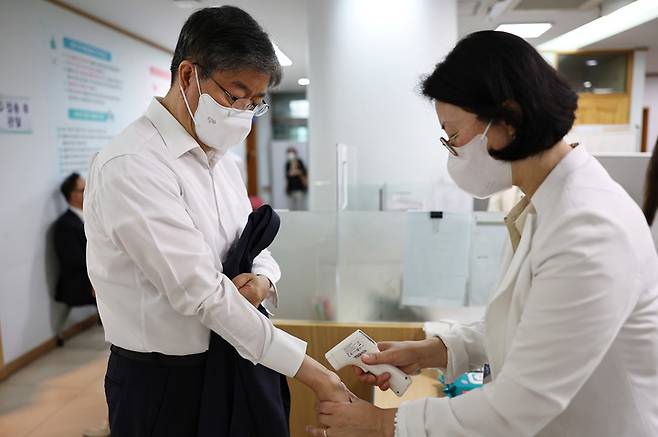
325,383
312,374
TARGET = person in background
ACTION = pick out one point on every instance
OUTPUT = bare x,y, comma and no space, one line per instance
163,207
73,285
296,181
651,194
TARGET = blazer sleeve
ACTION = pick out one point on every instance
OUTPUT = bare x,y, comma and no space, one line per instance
465,344
584,288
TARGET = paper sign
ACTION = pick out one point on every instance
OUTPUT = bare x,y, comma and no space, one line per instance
15,114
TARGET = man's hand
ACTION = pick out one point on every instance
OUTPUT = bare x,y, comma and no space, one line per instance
326,385
408,356
255,288
332,389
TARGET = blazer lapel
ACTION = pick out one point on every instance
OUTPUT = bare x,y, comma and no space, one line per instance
508,278
496,316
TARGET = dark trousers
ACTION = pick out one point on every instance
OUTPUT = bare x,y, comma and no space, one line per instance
153,397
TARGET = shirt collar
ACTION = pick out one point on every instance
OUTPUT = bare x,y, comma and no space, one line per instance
176,138
543,197
78,212
515,220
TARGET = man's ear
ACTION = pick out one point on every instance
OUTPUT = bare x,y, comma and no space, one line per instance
185,74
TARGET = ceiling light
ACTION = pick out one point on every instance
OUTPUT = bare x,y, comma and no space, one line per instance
624,18
187,4
591,62
303,81
284,60
525,30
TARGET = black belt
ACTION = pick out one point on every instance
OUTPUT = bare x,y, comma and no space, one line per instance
161,359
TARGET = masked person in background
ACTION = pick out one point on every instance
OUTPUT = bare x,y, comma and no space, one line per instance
296,181
571,330
162,209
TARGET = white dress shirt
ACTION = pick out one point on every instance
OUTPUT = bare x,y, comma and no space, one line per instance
571,331
160,216
78,212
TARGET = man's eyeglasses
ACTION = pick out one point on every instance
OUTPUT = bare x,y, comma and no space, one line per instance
241,103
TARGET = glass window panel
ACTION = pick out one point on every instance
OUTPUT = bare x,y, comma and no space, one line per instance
597,73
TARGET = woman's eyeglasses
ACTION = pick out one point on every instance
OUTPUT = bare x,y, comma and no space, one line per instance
446,143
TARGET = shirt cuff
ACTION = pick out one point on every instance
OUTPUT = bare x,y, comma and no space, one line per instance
273,296
458,360
410,419
285,353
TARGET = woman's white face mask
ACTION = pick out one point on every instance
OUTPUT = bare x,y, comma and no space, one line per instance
476,171
216,125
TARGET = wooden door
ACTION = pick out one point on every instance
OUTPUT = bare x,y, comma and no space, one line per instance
252,163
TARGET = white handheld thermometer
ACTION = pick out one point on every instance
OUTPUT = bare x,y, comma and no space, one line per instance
349,351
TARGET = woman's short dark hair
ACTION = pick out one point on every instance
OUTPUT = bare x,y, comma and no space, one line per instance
68,186
499,76
225,38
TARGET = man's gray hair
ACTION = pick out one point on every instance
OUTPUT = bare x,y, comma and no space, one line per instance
223,39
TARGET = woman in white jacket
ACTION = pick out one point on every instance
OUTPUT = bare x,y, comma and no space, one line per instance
571,330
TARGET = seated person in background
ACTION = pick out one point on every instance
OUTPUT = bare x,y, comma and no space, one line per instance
73,285
651,194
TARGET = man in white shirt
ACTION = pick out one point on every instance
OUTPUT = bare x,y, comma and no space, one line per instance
162,209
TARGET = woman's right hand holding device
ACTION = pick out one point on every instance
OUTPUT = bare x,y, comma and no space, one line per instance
408,356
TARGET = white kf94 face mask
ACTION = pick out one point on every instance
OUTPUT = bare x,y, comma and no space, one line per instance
476,171
217,126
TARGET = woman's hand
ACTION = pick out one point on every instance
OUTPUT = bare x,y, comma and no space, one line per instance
408,356
255,288
354,419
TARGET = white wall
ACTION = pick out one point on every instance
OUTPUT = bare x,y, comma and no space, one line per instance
651,101
637,93
366,59
29,170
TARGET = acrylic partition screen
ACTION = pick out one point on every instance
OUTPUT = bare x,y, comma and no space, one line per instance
389,251
359,266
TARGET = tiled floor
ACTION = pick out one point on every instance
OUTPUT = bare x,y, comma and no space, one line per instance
60,394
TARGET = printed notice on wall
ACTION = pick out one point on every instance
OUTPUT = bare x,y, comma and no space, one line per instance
99,83
15,115
86,94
